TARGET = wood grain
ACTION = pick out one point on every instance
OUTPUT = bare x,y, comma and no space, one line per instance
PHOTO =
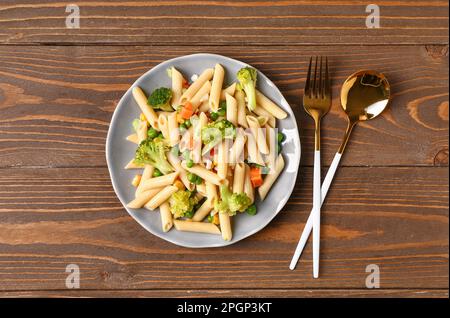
235,293
56,102
396,218
225,22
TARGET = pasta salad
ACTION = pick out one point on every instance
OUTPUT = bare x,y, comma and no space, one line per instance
206,151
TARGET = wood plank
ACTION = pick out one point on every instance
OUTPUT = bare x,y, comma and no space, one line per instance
235,293
225,22
394,217
56,102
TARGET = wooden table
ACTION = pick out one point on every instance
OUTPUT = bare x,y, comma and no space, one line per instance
387,206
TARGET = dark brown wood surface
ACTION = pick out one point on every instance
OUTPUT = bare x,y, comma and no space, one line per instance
387,206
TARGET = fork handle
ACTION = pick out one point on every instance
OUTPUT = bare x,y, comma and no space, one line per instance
309,223
316,214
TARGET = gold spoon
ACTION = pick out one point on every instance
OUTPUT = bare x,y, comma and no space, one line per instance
364,96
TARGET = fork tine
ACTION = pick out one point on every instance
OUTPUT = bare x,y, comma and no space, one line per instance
308,78
315,80
319,90
327,86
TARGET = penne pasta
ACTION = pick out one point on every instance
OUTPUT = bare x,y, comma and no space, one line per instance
133,165
146,174
237,150
133,138
142,198
177,87
203,173
204,107
182,174
149,113
262,112
201,189
222,160
163,125
172,124
211,191
229,90
162,196
270,106
216,87
199,227
203,211
198,123
239,178
271,177
258,133
240,99
166,217
193,89
142,131
225,226
199,97
232,110
248,187
159,182
253,154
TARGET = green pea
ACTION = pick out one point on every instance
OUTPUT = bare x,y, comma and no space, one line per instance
189,163
189,214
157,173
183,126
280,137
152,133
198,180
160,135
221,112
214,116
191,177
210,218
251,210
223,104
188,123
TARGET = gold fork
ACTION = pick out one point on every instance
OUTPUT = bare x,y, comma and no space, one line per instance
317,102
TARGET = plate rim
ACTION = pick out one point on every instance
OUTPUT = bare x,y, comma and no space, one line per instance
211,245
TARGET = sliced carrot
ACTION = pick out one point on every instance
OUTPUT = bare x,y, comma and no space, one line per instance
256,177
187,111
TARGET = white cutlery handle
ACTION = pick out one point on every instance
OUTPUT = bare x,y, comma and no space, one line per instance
309,223
316,213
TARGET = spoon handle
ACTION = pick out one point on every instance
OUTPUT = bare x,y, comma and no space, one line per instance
309,224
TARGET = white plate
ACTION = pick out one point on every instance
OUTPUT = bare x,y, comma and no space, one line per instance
119,152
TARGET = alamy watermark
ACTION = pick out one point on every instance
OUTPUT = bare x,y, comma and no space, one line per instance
373,279
373,19
73,19
73,279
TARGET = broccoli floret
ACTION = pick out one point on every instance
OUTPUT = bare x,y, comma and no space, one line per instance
160,99
153,152
247,79
231,202
213,133
182,203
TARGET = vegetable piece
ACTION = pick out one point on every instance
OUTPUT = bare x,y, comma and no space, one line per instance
256,177
136,180
221,112
187,110
231,202
247,79
251,210
182,203
160,99
280,137
187,123
193,178
213,134
157,173
214,116
189,163
152,133
153,152
135,124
